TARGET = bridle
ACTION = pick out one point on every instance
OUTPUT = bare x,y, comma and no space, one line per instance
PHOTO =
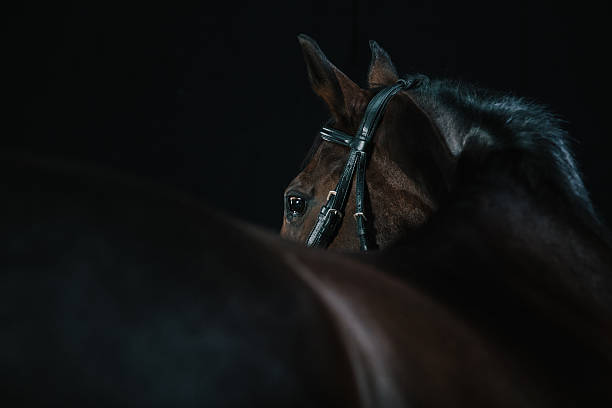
330,216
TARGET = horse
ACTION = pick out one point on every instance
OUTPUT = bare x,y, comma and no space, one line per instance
426,133
119,292
437,141
474,196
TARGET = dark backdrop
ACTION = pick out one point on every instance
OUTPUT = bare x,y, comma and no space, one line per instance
214,99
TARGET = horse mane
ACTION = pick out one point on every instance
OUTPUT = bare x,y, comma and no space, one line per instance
476,122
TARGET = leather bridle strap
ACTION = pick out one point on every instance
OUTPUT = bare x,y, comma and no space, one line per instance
330,216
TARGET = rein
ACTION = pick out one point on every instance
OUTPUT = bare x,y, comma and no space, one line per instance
330,216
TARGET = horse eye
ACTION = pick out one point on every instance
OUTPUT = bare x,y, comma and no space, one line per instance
296,205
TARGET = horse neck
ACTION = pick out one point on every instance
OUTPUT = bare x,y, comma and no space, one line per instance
412,148
518,208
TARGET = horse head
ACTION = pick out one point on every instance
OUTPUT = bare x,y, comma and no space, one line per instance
407,166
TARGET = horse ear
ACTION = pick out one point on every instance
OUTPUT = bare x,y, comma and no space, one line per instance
331,84
382,72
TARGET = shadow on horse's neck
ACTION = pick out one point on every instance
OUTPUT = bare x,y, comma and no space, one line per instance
411,171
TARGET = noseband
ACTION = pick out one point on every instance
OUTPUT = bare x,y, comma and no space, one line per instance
330,216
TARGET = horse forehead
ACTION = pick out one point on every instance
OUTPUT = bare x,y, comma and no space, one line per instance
327,162
331,157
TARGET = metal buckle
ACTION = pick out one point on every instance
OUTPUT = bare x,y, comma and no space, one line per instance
359,214
406,84
334,211
331,193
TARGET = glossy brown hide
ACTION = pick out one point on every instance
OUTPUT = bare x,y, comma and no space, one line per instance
403,182
406,348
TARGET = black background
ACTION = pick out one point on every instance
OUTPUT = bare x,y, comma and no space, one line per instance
213,99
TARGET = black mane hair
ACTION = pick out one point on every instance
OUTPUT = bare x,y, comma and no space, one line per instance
476,122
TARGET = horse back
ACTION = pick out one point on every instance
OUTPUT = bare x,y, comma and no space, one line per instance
115,293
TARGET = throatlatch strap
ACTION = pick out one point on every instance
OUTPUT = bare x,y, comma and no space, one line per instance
330,216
